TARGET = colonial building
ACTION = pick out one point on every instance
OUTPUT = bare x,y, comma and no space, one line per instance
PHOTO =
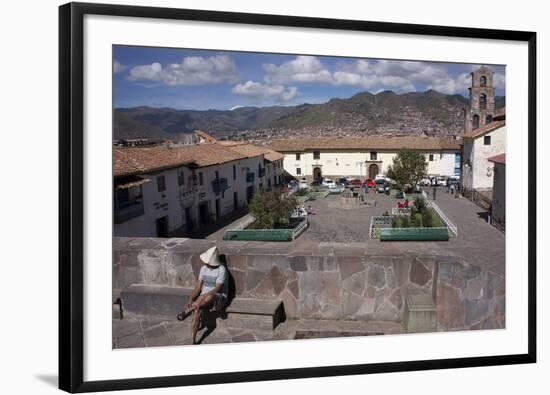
164,190
273,160
498,207
478,146
363,157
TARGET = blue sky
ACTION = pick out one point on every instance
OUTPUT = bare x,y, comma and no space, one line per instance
204,79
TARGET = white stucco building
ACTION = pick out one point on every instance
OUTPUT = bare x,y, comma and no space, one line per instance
161,190
363,157
478,146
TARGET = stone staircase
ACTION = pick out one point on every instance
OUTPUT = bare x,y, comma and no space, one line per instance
164,302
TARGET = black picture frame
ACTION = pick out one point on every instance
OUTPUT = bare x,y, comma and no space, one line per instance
71,223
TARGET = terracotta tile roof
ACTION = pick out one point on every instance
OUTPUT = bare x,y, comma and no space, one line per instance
365,143
207,138
501,158
128,161
485,129
247,149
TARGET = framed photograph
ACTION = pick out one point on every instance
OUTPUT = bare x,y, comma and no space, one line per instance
251,197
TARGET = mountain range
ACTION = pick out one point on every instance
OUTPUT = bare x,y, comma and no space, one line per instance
429,112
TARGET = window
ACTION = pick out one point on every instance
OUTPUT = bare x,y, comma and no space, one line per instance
297,156
216,174
431,157
234,172
181,178
373,155
475,122
298,170
482,81
161,183
316,155
483,101
201,180
487,140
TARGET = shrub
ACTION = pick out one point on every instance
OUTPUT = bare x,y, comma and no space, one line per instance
394,222
427,220
420,203
405,223
417,222
413,213
272,207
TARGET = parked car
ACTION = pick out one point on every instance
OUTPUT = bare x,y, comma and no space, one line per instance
316,183
369,182
344,180
425,181
441,181
328,182
303,185
356,182
336,188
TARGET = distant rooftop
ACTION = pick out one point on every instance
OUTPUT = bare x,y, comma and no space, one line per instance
365,143
248,149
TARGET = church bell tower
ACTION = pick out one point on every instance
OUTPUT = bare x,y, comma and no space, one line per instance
482,100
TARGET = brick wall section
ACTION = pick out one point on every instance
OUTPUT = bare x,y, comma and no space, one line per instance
339,283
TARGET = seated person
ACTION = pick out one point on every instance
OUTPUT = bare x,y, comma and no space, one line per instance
210,292
406,203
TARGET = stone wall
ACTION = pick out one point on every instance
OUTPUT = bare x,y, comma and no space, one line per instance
340,283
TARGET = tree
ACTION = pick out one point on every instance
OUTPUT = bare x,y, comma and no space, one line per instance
271,208
407,168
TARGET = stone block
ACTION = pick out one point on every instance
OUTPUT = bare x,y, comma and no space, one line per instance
349,265
376,276
356,283
419,273
420,314
450,308
298,263
475,311
154,300
253,278
261,262
237,262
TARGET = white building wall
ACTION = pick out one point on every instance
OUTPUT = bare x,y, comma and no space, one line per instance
356,164
481,172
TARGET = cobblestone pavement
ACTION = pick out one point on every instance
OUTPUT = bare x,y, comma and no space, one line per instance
129,333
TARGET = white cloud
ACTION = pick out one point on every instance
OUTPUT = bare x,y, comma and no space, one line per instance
301,69
259,91
193,70
118,67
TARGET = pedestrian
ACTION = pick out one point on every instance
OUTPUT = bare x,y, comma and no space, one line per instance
210,292
452,188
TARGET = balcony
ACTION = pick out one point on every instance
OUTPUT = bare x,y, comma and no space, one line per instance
126,210
250,177
219,185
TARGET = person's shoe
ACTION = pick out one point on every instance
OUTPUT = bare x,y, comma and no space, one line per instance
183,315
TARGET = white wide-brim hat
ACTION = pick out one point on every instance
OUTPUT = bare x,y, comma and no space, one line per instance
211,257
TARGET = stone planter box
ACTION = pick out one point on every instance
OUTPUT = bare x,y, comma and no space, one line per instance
267,234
